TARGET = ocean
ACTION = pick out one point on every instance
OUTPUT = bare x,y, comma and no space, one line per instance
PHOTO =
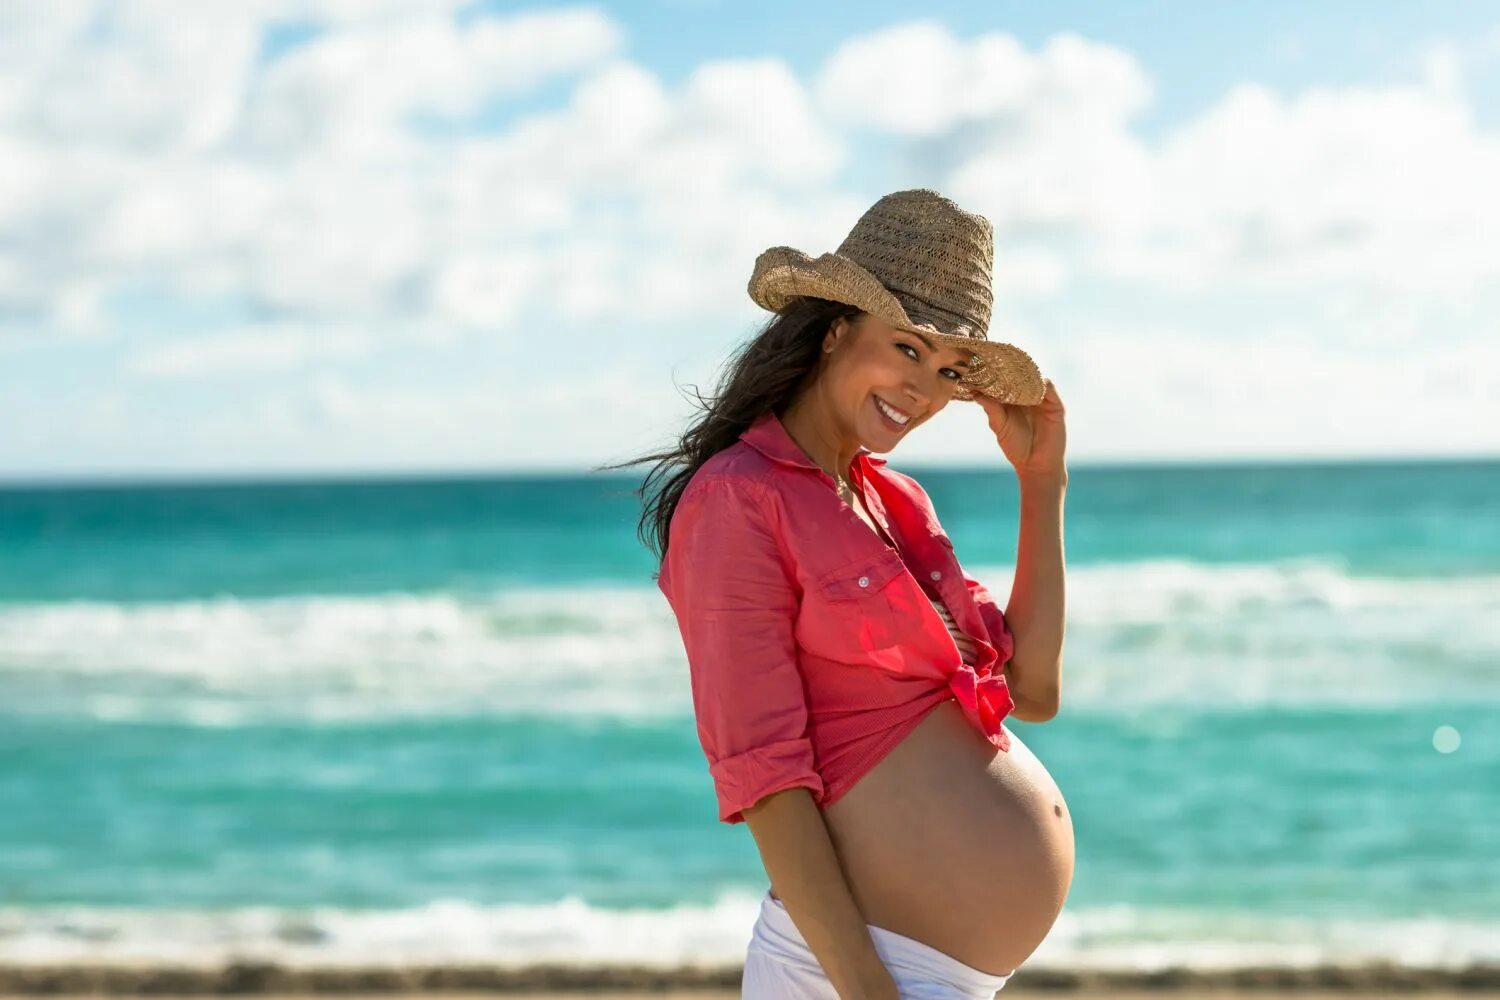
422,721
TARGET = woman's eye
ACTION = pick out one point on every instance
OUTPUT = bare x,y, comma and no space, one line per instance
953,376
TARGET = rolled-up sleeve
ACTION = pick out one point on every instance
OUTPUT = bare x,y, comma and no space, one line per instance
736,606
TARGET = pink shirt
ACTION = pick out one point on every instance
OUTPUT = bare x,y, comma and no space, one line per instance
812,646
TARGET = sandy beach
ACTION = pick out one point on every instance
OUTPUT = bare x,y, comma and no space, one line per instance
1008,993
733,994
558,982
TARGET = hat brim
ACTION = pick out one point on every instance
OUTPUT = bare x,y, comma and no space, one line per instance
1002,371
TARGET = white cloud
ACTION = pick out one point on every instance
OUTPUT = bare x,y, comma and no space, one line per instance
324,186
353,91
251,350
143,144
918,80
1029,272
353,190
1442,69
360,424
1159,393
1387,184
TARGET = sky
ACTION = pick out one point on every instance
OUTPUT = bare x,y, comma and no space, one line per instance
302,237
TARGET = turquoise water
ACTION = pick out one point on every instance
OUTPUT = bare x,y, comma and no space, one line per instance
449,720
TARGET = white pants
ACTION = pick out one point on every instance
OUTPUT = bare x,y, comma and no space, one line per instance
780,966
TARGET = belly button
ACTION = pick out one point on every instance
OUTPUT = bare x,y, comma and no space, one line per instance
1057,808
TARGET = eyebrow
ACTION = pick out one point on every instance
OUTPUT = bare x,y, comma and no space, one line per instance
931,346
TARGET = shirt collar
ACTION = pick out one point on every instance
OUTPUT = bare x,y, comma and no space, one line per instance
767,435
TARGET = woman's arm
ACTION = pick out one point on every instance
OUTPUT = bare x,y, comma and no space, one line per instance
1034,440
1035,612
806,875
736,603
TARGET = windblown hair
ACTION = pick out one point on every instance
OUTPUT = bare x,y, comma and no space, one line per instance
766,373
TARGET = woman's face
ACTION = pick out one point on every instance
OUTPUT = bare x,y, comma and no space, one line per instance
908,372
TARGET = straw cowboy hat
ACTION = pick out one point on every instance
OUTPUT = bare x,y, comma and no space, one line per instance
920,263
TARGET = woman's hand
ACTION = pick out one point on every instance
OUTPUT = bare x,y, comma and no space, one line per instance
1032,437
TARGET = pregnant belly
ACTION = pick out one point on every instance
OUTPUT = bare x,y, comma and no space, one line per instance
958,844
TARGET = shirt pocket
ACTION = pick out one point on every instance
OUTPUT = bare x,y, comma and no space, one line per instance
868,603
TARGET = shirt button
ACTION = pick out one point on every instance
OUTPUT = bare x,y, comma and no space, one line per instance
864,581
937,574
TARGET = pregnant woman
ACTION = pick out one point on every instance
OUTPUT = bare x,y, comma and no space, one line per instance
849,678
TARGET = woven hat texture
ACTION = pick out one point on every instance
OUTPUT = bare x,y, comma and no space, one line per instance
920,263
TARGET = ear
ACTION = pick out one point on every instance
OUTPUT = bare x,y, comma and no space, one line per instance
836,329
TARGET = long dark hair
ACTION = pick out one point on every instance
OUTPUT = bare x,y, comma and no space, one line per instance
765,373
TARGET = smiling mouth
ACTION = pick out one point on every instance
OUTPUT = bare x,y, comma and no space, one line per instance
898,419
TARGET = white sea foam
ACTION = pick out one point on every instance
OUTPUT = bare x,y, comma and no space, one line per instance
569,930
1151,633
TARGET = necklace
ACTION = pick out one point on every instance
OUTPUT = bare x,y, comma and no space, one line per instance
848,494
844,490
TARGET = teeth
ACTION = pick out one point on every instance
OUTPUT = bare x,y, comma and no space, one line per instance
895,415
